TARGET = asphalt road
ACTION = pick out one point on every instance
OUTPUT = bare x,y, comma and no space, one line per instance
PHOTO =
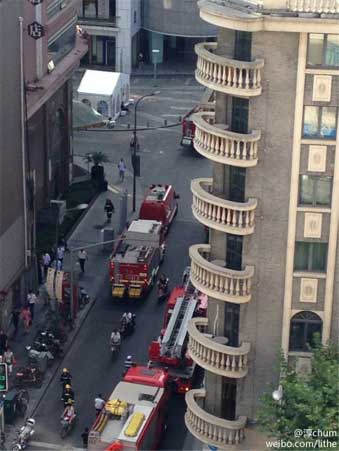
89,357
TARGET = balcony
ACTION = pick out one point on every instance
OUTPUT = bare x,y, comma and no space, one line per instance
238,78
220,214
223,146
214,280
217,358
210,429
314,6
110,22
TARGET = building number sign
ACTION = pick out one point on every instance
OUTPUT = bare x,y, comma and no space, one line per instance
35,30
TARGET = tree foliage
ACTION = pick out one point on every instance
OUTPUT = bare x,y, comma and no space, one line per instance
96,158
309,402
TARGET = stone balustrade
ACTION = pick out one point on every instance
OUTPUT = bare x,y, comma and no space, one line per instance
314,6
222,145
210,429
227,361
221,283
220,214
239,78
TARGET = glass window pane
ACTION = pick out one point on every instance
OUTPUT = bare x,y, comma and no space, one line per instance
319,256
90,8
306,190
328,122
323,191
332,50
312,329
311,114
59,48
315,49
301,256
297,336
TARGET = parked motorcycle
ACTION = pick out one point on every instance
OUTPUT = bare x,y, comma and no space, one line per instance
127,325
46,341
24,435
35,357
28,376
163,290
83,298
66,425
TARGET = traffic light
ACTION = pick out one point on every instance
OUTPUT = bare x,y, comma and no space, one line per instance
3,377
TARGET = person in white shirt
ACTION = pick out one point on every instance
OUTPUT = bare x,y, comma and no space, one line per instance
122,169
46,261
82,257
31,300
60,255
99,403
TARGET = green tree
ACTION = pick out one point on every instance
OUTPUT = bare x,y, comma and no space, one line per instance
98,158
309,402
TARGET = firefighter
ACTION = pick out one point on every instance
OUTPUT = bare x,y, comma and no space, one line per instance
68,394
65,378
109,209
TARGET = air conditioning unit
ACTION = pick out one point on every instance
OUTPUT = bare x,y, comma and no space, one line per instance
60,205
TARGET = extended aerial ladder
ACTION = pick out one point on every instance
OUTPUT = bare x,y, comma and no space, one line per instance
174,338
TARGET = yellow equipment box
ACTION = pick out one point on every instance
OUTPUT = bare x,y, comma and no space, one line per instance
135,424
118,291
116,407
134,292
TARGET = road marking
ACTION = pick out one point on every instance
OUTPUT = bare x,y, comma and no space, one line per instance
114,189
183,108
45,445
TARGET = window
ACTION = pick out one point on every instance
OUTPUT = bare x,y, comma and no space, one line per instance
60,46
135,17
310,256
323,50
320,122
304,326
90,8
55,7
102,108
315,190
243,45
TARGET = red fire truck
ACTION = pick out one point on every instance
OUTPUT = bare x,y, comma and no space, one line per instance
170,350
134,415
160,204
135,261
188,127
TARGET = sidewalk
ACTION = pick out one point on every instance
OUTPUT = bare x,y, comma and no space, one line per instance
87,232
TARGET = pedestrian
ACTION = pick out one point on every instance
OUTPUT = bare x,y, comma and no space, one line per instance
82,257
60,256
3,341
8,358
31,300
84,437
141,60
15,320
122,169
99,403
26,318
46,261
109,209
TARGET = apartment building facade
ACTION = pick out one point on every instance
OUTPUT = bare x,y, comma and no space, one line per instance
42,49
271,268
173,27
113,27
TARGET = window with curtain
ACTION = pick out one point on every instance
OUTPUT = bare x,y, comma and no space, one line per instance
323,50
315,190
305,326
310,256
320,122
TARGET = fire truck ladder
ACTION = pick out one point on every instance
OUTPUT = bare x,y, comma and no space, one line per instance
174,338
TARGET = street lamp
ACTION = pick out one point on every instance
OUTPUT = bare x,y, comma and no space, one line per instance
135,143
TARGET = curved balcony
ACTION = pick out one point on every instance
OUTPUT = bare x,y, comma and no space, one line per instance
222,145
208,428
238,78
220,214
221,283
217,358
314,6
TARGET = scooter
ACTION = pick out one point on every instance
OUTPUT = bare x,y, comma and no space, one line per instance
163,290
115,348
127,327
24,435
35,355
66,425
84,298
28,376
